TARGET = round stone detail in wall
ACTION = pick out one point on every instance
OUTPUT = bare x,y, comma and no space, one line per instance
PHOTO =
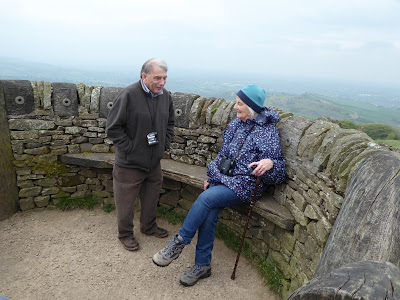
19,100
66,102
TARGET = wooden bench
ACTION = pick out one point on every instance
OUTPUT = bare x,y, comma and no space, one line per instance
193,175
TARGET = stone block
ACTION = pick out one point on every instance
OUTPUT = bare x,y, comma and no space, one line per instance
79,194
74,149
185,204
88,173
31,124
95,100
25,184
24,135
101,194
30,192
212,109
26,203
96,188
107,96
86,147
312,139
299,201
297,213
300,233
92,181
18,97
286,238
170,198
65,99
310,213
171,184
50,191
182,104
217,118
272,241
281,263
46,182
195,112
42,201
97,140
291,130
69,189
100,148
69,180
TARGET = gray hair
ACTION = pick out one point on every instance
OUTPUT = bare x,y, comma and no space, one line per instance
150,64
252,112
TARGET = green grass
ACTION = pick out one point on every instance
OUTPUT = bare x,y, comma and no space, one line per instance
109,207
171,216
393,143
272,276
67,203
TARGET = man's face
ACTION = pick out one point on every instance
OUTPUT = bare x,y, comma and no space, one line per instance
155,80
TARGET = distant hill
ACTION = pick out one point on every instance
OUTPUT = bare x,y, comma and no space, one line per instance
311,105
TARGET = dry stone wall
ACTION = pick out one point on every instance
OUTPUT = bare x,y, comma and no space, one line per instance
48,120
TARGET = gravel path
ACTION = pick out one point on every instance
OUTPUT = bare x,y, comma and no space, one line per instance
75,254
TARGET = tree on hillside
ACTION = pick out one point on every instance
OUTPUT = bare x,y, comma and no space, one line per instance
346,124
381,131
375,131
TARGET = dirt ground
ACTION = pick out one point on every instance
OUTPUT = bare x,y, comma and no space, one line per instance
52,254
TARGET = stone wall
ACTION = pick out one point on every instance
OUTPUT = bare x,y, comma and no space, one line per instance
49,120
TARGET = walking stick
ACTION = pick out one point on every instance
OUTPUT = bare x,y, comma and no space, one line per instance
247,224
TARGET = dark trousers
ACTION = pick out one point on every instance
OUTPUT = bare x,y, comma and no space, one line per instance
127,185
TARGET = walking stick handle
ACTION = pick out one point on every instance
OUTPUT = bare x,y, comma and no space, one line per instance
247,224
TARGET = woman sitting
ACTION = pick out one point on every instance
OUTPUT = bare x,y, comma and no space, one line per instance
250,148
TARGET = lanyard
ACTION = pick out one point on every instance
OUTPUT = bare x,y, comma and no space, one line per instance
152,114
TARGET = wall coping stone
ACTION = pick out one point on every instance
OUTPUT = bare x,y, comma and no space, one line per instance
266,207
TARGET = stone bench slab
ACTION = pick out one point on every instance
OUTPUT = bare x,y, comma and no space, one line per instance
193,175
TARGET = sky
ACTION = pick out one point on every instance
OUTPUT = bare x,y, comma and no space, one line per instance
340,39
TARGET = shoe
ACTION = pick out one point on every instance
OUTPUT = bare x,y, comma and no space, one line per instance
165,256
130,243
159,232
194,274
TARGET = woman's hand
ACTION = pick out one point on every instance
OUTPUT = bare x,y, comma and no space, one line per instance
262,166
206,184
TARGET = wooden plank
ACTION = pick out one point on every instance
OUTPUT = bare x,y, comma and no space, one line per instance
368,224
366,280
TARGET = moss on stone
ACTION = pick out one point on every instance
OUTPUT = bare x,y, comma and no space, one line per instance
51,169
215,107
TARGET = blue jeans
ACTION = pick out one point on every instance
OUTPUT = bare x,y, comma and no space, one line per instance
204,216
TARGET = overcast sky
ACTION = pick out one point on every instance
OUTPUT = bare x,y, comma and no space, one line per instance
346,39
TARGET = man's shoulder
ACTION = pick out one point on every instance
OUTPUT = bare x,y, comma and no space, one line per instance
133,87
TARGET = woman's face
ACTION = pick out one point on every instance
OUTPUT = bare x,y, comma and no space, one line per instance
242,110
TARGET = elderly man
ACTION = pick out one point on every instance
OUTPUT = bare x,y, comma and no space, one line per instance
141,126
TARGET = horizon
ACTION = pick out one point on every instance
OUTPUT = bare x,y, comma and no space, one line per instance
207,83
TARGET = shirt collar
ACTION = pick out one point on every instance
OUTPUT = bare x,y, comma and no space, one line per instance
146,89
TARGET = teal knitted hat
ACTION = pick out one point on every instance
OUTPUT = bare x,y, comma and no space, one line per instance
253,96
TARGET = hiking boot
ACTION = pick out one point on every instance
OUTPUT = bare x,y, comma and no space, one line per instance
130,243
159,232
165,256
194,274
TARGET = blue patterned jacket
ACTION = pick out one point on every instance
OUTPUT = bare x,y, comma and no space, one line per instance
262,142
